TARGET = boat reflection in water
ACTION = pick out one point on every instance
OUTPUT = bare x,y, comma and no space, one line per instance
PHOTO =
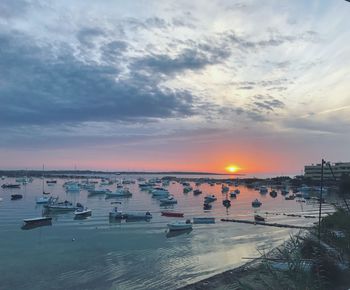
172,234
30,224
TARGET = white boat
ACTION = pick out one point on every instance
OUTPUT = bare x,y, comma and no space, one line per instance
256,203
99,191
115,213
119,193
83,212
42,200
72,187
168,200
180,225
159,192
210,198
53,204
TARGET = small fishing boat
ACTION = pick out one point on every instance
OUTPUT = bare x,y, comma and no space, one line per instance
224,188
210,198
116,214
197,192
207,206
290,197
256,203
204,220
259,218
180,225
54,205
99,191
284,191
237,191
172,214
82,212
16,196
72,187
37,220
226,202
187,189
119,193
168,200
51,181
42,200
263,190
33,223
159,192
233,194
9,185
273,193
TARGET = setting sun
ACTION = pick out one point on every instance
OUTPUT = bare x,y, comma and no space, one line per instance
232,168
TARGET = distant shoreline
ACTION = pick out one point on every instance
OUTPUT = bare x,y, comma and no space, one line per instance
16,173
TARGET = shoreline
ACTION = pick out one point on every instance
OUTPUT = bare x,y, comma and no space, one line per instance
228,279
235,277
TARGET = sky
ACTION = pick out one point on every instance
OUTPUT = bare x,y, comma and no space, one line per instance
174,85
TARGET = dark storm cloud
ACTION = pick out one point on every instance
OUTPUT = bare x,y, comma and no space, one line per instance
41,88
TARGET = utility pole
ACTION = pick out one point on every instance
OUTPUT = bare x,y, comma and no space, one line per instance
320,208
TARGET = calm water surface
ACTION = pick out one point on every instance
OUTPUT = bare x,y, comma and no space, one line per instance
97,254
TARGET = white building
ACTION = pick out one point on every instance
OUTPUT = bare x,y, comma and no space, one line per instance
339,168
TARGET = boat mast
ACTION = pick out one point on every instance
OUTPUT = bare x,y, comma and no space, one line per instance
43,179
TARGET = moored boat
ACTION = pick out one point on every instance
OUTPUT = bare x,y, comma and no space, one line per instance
273,193
42,200
33,223
82,212
37,220
180,225
119,193
259,218
210,198
226,202
9,185
233,194
256,203
99,191
207,206
197,192
54,205
16,196
172,214
168,200
204,220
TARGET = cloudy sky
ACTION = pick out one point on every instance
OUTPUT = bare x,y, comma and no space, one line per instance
174,85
